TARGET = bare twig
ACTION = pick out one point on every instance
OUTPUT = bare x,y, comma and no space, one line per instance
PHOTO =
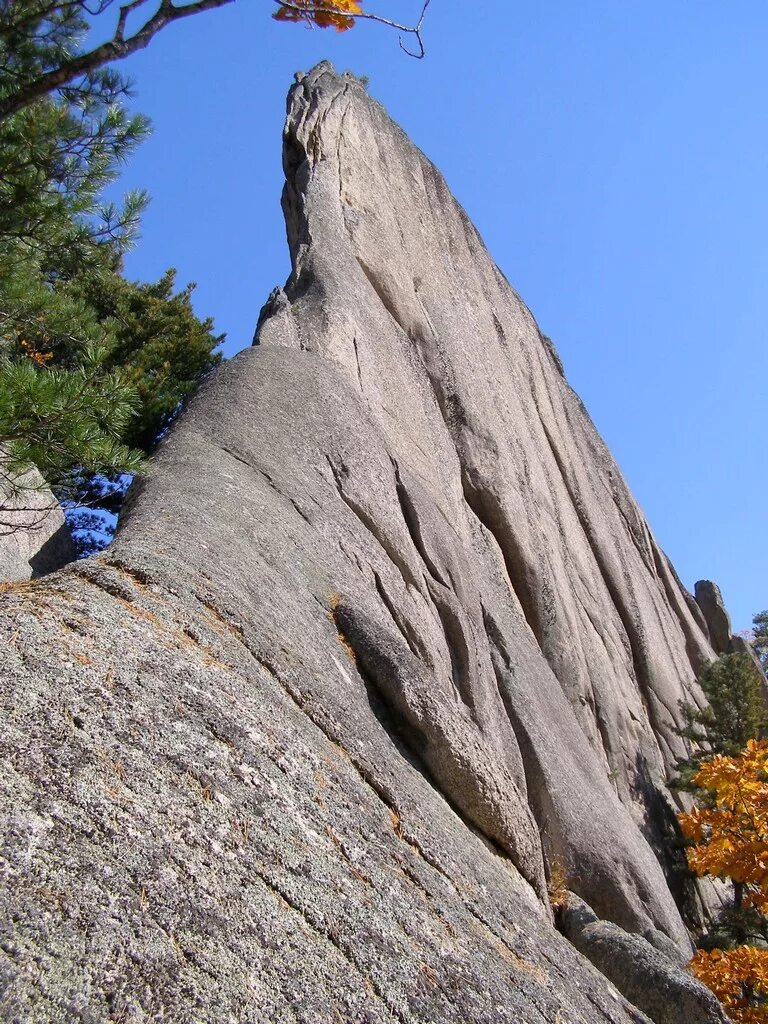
166,12
411,30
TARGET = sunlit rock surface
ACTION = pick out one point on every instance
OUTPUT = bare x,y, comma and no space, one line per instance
383,643
34,539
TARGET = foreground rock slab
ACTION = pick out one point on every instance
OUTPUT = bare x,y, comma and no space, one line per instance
383,642
642,970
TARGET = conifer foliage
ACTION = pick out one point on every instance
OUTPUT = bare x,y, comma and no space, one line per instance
760,637
92,367
735,713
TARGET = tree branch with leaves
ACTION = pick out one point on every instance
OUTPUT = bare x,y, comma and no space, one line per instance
728,834
56,67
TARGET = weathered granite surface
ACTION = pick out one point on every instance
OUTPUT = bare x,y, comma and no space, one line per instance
34,538
642,968
710,600
384,639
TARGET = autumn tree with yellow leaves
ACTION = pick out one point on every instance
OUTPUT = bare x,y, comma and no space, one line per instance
729,840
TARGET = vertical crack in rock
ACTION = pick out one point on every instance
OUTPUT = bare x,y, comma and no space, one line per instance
620,594
411,519
465,773
370,525
409,635
519,574
443,598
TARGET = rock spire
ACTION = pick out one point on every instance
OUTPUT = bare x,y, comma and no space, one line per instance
384,644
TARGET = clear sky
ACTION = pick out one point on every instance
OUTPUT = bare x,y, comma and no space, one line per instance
613,156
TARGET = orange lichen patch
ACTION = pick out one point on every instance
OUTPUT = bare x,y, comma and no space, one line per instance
334,601
397,826
533,970
429,974
241,831
219,618
14,586
339,844
347,646
115,767
558,887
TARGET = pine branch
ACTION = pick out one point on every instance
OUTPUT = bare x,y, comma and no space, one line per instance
116,48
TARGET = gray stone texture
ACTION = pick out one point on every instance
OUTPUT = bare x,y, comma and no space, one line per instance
643,969
710,600
34,538
382,640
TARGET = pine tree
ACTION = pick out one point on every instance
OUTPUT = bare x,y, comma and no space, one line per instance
760,637
157,341
735,713
92,367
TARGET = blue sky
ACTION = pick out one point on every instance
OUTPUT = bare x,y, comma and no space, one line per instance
613,156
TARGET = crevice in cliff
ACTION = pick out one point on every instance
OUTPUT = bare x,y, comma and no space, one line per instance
556,846
411,519
327,932
442,596
371,526
263,473
408,633
631,628
387,691
384,298
456,642
637,528
379,789
357,362
482,506
407,738
498,650
643,546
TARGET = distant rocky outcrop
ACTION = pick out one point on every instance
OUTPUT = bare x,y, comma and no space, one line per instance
383,643
710,600
718,625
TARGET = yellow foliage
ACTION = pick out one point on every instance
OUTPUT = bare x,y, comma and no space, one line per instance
323,13
39,358
731,838
558,886
739,979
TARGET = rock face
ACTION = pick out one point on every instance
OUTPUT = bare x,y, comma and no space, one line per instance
710,600
642,970
34,539
383,641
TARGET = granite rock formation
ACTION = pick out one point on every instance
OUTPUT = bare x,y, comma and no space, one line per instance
34,539
642,968
710,600
383,642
